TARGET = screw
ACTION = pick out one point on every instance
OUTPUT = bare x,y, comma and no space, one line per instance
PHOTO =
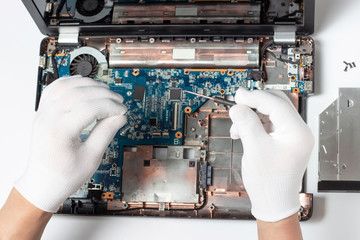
351,65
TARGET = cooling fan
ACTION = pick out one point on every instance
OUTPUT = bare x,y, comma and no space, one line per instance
87,62
84,65
93,10
89,7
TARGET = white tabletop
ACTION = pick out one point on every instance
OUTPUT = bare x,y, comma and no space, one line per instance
335,215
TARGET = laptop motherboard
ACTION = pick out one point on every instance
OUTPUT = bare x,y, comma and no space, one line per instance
175,157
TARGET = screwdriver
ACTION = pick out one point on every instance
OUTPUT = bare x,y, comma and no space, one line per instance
215,99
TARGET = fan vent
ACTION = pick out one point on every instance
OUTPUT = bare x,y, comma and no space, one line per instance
85,65
89,7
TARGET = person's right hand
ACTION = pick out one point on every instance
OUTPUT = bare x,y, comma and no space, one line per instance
276,151
60,162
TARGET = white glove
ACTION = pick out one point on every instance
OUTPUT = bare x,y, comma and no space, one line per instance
276,151
60,162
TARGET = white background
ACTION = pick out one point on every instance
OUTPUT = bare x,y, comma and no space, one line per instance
335,215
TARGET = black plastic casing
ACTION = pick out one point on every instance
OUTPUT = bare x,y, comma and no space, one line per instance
174,30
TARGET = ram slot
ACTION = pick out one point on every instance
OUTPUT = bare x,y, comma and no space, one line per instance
175,116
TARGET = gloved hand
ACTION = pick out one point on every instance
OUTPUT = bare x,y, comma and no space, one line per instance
276,152
60,162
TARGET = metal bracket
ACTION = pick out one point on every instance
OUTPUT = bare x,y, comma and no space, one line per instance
285,35
48,7
42,61
339,138
68,35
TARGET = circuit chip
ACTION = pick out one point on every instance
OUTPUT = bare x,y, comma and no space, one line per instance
118,80
139,92
153,121
175,94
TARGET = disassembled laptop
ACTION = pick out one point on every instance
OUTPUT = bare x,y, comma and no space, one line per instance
175,157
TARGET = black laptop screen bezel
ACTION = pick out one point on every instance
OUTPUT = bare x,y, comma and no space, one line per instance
307,28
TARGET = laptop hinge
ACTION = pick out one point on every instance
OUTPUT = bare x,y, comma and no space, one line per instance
285,35
68,35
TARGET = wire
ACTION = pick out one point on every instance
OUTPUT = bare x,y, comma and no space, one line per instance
281,59
60,7
54,64
266,46
181,209
285,17
265,50
263,56
265,5
67,8
56,69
